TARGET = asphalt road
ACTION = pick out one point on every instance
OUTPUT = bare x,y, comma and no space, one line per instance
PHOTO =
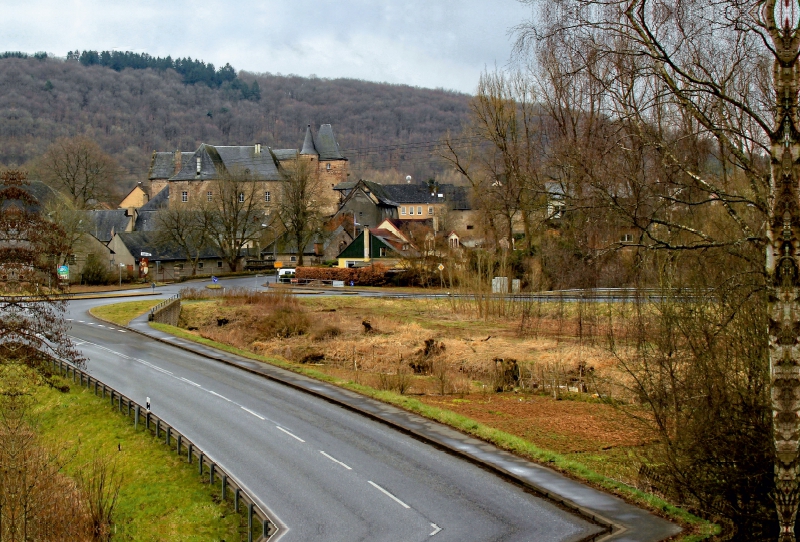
325,472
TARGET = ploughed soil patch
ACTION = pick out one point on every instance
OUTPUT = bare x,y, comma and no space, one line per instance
536,385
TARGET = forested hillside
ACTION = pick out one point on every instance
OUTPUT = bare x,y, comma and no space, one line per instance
132,112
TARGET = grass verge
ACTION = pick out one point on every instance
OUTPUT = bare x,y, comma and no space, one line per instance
122,313
162,497
697,528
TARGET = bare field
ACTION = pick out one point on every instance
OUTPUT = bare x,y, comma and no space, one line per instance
448,358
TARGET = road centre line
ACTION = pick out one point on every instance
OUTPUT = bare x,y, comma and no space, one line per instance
190,382
335,460
379,488
288,433
253,413
220,396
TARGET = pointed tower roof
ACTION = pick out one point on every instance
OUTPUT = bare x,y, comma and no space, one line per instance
327,147
308,144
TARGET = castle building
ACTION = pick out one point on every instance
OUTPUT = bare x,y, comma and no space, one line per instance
191,176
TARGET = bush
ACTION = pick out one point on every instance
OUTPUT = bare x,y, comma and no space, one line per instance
283,322
373,275
95,271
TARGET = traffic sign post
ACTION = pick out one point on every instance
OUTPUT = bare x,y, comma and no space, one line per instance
63,272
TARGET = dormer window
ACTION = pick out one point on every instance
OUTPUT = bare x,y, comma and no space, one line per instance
241,197
199,165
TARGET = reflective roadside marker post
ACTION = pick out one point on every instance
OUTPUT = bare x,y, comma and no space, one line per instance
148,405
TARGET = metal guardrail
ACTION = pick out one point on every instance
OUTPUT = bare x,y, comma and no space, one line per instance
258,521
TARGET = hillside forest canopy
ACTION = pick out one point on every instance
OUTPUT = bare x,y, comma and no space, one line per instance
132,104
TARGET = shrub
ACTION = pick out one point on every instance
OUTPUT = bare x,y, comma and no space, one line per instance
95,271
373,275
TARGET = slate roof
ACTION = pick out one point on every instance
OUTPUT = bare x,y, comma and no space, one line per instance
146,221
308,143
159,201
393,195
42,192
216,161
421,193
162,166
147,241
326,145
104,222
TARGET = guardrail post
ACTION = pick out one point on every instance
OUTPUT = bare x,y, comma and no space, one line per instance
169,434
95,387
119,397
265,528
190,452
250,522
224,485
236,500
147,420
129,407
136,418
180,437
111,396
200,463
211,469
158,428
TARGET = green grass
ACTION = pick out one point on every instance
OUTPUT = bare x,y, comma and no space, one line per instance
699,528
122,313
162,496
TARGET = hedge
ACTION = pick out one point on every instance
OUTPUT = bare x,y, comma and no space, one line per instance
373,275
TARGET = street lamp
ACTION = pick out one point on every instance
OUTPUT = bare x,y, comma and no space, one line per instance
120,274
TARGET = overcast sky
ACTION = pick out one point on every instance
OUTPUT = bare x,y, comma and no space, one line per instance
427,43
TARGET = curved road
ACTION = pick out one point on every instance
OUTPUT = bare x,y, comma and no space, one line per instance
325,472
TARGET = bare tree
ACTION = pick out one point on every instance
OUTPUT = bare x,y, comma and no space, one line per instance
236,215
300,207
499,151
79,168
724,75
185,228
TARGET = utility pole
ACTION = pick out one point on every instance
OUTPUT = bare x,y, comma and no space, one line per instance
781,20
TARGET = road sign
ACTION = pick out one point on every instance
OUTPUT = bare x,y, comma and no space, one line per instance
214,280
441,267
145,254
63,271
278,265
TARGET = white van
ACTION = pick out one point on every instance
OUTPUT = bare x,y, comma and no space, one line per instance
286,274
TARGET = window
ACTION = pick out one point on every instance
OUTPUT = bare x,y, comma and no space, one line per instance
383,252
209,195
219,264
199,265
430,211
419,210
410,210
626,238
292,258
241,197
266,196
328,167
402,210
470,227
184,196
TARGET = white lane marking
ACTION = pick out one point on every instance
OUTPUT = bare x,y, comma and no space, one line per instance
69,319
89,323
220,396
288,433
253,413
379,488
190,382
437,529
112,329
121,331
335,460
80,321
100,325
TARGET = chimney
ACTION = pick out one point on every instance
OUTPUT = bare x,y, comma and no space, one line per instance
366,243
258,148
176,162
199,165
